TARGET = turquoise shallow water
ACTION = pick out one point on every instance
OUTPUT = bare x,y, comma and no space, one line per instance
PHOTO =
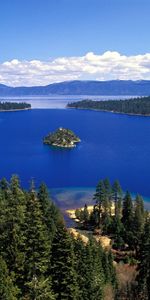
70,198
76,197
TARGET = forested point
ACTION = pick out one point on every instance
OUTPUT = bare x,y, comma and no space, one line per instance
125,221
14,106
39,259
137,106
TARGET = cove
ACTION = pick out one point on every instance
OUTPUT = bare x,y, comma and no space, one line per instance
113,145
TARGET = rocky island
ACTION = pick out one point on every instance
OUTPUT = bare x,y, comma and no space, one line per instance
62,137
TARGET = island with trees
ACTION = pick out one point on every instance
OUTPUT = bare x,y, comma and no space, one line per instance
62,138
14,106
133,106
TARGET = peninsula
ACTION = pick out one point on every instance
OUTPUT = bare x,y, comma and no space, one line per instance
14,106
133,106
62,137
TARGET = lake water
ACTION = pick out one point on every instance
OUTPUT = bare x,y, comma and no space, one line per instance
58,102
112,145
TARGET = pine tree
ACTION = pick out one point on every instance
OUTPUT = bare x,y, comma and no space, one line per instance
138,220
99,197
12,222
127,218
51,214
8,291
85,216
108,196
94,271
64,276
37,240
39,289
143,277
109,270
80,267
117,196
4,187
127,212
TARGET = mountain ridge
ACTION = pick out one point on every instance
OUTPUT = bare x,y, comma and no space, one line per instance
77,87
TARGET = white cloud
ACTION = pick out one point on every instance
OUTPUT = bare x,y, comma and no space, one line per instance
107,66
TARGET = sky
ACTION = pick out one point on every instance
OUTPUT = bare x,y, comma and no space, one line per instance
46,41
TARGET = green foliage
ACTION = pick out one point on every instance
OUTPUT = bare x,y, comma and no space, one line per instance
8,291
100,198
129,106
51,214
62,137
64,277
37,239
14,105
40,289
143,277
117,196
39,258
128,218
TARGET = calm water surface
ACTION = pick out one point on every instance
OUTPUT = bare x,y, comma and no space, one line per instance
113,145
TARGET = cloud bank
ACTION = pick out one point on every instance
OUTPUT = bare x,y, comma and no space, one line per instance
107,66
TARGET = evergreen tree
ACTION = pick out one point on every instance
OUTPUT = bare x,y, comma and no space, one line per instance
117,196
37,240
99,197
4,187
81,268
118,230
64,276
108,196
51,214
85,216
143,277
94,273
138,220
109,270
127,218
40,289
127,212
12,229
8,291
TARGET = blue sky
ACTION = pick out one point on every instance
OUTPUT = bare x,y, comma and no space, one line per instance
48,29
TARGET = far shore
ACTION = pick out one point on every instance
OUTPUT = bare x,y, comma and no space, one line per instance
11,110
110,111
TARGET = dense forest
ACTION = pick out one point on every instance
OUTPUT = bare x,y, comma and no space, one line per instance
127,223
14,105
139,106
39,259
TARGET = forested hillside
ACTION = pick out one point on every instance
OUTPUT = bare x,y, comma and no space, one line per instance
139,106
39,259
125,221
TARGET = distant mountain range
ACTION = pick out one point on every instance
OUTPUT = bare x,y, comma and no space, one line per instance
112,88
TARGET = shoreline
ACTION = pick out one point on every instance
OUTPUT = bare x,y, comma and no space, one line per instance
110,111
71,212
11,110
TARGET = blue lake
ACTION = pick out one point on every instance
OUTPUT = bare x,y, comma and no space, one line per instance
113,145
